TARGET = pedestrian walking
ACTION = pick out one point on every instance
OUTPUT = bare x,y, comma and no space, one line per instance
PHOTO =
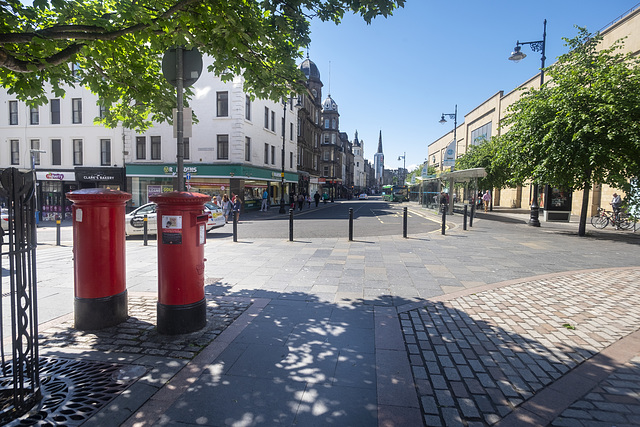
486,198
309,201
316,197
236,206
226,207
300,201
265,201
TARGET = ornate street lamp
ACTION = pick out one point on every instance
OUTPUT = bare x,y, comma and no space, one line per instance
517,56
404,168
453,116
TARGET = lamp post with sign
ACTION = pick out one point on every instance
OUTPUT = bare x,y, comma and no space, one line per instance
181,68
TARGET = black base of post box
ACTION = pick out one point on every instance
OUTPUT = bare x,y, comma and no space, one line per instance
182,319
99,313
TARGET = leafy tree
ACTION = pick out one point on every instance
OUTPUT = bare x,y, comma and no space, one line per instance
485,155
582,126
116,46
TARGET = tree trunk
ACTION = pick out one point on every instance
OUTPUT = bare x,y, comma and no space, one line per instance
585,206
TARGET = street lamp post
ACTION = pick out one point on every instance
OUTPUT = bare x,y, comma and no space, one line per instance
284,133
517,56
404,167
442,121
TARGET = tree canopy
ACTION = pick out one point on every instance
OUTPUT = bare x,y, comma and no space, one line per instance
114,47
581,127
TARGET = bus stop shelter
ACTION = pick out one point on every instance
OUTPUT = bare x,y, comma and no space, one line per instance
468,176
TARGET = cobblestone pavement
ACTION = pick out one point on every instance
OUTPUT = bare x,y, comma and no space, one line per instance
477,357
616,401
137,335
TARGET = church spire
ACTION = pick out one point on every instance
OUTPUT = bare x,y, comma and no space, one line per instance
380,143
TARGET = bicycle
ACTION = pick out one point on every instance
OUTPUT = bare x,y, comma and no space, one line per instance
604,217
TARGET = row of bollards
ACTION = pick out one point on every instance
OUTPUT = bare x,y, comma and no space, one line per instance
404,222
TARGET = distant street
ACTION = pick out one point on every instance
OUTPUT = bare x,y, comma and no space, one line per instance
372,217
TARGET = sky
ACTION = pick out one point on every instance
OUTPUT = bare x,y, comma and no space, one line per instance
400,74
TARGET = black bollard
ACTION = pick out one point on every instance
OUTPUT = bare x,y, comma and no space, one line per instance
444,218
58,231
350,224
291,225
473,212
404,223
145,222
464,222
235,226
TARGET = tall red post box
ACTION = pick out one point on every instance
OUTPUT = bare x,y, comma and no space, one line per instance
182,223
99,257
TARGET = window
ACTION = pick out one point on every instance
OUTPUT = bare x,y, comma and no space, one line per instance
141,147
223,147
299,127
55,111
326,155
326,123
481,134
15,152
291,131
77,151
155,148
105,152
247,149
56,152
325,171
291,159
247,108
273,155
35,154
222,103
327,138
185,149
13,113
266,154
34,116
103,110
76,106
266,118
283,127
273,121
333,124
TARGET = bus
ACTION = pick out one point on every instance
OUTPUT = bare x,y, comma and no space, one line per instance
395,193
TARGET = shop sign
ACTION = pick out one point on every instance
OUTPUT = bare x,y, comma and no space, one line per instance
55,176
153,190
172,170
96,177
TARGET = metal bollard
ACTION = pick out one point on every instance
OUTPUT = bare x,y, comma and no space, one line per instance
350,224
235,226
291,225
444,219
58,231
464,222
146,229
404,223
473,212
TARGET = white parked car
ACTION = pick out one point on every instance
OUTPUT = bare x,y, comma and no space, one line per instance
134,220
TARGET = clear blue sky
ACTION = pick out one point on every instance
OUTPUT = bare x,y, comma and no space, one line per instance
400,74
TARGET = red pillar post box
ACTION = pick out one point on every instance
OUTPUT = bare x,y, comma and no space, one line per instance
99,257
182,307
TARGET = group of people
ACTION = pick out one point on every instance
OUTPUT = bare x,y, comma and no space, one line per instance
228,205
300,199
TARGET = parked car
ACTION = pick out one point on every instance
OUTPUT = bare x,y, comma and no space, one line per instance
134,220
4,220
363,196
216,216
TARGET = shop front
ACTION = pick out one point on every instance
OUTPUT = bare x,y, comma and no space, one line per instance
110,178
214,180
50,194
